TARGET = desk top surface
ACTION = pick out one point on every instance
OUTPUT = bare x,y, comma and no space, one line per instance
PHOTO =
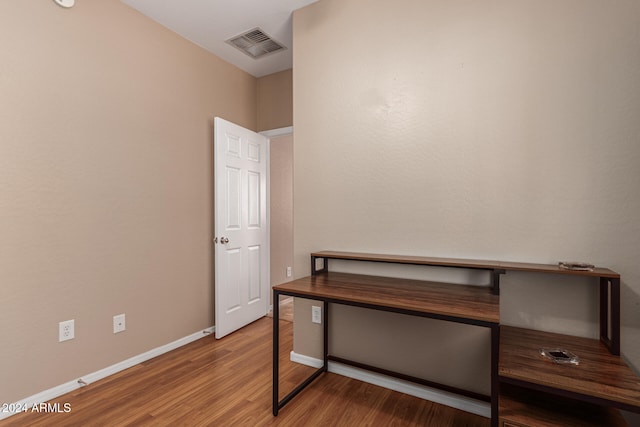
404,295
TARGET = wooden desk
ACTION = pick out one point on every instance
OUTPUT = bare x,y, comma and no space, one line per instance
603,379
473,305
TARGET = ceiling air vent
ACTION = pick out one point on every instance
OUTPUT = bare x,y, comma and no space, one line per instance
255,43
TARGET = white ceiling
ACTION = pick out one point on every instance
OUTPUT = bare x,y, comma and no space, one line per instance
208,23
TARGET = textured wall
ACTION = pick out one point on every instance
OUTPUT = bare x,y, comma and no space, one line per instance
492,130
105,186
275,100
281,207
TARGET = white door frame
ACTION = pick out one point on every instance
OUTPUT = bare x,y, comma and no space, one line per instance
274,133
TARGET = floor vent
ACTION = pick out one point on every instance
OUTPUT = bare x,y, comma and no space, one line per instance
255,43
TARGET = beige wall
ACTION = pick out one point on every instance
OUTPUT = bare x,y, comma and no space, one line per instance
274,111
105,186
275,100
493,130
281,207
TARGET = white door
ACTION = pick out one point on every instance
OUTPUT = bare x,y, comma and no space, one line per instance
241,227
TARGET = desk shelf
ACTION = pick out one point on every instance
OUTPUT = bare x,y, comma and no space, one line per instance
609,280
600,377
521,407
460,263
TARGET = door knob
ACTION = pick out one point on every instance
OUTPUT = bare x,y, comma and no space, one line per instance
224,240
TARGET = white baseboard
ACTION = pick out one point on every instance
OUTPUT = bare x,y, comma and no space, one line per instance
434,395
61,389
305,360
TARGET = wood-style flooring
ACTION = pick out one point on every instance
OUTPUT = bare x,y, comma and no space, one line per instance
228,383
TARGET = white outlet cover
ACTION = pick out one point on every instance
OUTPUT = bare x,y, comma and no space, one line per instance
66,330
119,324
65,3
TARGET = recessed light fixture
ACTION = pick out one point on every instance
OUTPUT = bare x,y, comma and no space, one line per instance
65,3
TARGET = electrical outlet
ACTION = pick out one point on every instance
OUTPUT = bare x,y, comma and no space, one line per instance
66,330
119,324
288,271
316,314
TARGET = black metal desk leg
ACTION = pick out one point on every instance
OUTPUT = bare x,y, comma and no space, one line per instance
495,383
610,314
615,316
325,265
276,349
278,404
325,338
604,309
495,280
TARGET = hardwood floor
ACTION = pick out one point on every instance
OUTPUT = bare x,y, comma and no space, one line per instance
228,383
